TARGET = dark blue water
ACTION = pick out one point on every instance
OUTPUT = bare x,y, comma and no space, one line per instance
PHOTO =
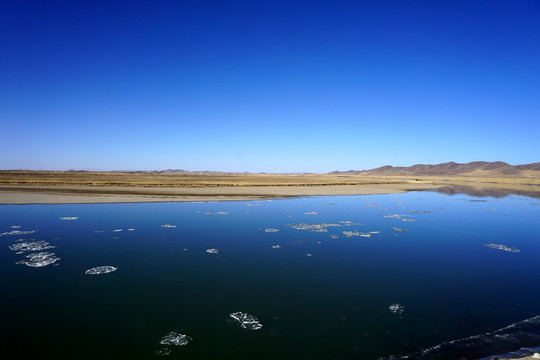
320,295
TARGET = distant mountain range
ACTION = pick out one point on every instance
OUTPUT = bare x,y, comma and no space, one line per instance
475,168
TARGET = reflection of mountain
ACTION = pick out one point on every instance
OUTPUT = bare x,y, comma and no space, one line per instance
476,168
487,191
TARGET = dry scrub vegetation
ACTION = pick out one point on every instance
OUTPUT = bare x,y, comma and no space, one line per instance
158,179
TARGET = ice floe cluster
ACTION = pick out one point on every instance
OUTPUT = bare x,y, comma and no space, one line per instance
24,246
395,228
98,270
247,321
168,226
216,213
270,230
18,232
69,218
396,216
313,213
349,223
312,227
502,247
355,233
212,251
39,259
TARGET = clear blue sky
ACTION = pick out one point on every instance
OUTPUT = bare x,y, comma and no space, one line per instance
275,86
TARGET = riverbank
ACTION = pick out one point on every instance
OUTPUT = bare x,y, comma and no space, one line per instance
10,194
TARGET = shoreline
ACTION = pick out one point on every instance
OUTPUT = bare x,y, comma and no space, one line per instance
20,195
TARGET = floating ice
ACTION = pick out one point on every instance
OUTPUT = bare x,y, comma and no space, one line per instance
374,232
131,229
308,255
168,226
100,270
176,339
420,211
409,220
396,216
372,205
276,246
313,213
15,227
356,233
334,236
502,247
247,321
69,218
397,308
312,227
349,223
18,232
31,246
395,228
271,230
212,251
216,213
39,259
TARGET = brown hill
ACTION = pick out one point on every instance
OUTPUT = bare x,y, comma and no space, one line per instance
475,168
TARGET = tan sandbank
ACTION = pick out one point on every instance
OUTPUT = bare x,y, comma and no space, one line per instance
10,194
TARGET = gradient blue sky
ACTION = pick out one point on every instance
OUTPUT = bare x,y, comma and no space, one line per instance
275,86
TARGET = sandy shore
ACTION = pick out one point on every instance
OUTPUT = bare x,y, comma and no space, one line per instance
87,194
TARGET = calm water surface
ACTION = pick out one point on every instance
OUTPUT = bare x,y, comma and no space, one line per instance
319,295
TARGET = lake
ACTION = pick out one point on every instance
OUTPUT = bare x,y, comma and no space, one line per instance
422,274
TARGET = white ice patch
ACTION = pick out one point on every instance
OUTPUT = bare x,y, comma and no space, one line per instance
100,270
396,216
176,339
247,321
312,227
39,259
395,228
270,230
168,226
397,308
212,251
313,213
502,247
349,223
31,246
18,232
355,233
69,218
276,246
131,229
15,227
